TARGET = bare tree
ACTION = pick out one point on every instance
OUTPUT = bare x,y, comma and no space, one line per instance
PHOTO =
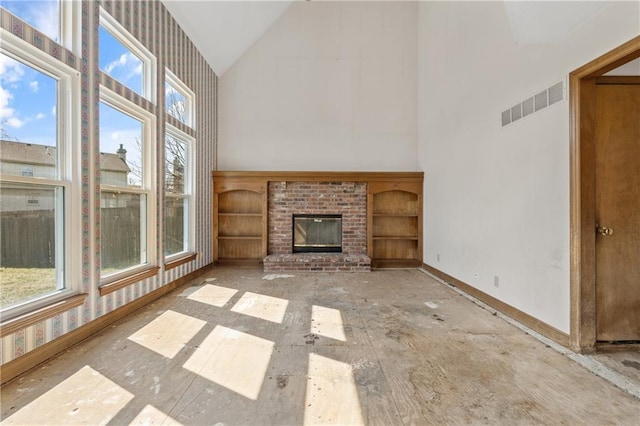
174,154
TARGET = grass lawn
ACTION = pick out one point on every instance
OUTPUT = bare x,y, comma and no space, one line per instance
22,283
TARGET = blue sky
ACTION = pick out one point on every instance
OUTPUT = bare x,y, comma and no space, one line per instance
28,97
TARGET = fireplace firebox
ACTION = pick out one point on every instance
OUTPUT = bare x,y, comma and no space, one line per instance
321,233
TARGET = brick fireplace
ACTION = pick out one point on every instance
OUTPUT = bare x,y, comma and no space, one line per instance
348,199
379,213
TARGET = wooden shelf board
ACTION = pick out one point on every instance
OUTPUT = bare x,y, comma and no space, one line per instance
241,214
395,215
239,237
415,238
395,263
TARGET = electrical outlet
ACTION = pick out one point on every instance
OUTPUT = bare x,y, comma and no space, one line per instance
476,274
496,281
438,257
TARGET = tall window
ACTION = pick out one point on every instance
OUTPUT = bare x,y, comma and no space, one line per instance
39,194
43,15
179,169
124,58
178,185
128,179
59,20
179,100
127,176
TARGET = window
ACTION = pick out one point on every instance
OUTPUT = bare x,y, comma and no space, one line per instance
54,18
43,15
179,100
124,58
39,193
27,171
178,184
127,178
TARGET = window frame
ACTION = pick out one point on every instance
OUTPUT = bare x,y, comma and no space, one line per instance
189,96
69,20
68,172
188,192
147,187
149,61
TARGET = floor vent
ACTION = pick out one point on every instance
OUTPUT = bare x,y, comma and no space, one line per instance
535,103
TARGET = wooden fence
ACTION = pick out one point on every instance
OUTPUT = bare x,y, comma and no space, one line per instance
27,238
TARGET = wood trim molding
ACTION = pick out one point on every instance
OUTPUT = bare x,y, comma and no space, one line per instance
518,315
128,280
618,79
181,261
275,176
30,318
582,83
611,60
26,362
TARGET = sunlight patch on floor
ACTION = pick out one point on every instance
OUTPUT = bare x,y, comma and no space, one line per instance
332,395
235,360
327,322
87,397
168,333
213,295
260,306
150,415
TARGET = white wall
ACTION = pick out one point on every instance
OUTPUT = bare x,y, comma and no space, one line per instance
497,200
331,86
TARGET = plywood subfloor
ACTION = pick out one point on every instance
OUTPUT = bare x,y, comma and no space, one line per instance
388,347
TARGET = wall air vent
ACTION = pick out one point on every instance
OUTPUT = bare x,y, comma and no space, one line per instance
535,103
527,107
556,93
506,117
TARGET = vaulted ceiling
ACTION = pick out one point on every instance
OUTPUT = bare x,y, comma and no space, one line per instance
224,30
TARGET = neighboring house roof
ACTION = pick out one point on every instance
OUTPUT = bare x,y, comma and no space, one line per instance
113,163
43,155
27,153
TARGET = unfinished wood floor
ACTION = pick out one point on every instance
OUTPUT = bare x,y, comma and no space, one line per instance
240,347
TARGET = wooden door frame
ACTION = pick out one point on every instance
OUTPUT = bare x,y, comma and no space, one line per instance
582,192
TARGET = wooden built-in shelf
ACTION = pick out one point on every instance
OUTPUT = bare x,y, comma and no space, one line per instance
395,223
394,213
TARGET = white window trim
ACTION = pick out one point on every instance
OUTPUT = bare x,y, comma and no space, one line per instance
71,25
69,167
190,98
149,181
149,61
189,191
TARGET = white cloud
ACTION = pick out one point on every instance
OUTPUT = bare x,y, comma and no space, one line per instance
40,116
53,110
7,114
11,71
34,86
5,97
14,122
126,61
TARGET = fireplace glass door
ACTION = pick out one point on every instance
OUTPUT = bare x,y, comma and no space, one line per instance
317,233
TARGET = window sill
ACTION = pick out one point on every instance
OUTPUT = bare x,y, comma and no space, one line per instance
30,318
128,280
174,263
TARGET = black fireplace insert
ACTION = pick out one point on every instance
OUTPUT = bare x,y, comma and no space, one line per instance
317,233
